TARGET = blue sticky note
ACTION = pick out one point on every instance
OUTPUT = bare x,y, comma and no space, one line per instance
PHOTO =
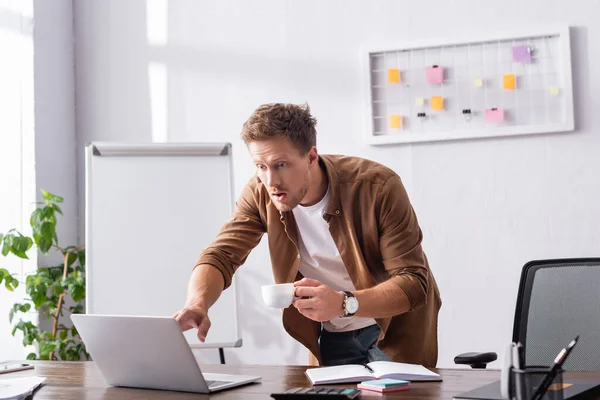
386,382
521,53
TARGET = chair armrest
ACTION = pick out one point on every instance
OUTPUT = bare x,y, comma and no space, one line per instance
476,360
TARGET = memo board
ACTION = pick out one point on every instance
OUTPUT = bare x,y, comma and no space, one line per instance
497,85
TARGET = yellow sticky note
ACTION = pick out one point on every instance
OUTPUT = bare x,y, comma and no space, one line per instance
478,82
393,75
419,101
509,81
437,103
395,121
554,90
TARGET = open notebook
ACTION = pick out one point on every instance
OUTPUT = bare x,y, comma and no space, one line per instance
380,369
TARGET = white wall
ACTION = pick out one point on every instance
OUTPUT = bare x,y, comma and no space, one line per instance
486,206
17,176
54,80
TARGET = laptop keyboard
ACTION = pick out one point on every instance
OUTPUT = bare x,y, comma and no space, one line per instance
216,383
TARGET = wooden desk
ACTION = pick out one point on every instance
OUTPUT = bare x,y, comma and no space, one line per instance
82,380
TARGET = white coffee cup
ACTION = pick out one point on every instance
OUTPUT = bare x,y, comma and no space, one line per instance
278,295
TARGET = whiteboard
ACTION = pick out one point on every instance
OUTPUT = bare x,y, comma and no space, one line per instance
150,210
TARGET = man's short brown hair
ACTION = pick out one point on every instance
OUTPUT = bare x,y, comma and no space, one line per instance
282,120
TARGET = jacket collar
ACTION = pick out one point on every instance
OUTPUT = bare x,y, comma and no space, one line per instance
334,208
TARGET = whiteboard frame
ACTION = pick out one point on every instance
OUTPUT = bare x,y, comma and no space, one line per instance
113,149
562,31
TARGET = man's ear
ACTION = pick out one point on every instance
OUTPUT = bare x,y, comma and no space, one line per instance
313,156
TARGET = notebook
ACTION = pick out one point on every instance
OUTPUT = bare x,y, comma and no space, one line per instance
378,370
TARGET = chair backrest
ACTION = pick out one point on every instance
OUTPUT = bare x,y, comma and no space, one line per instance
558,300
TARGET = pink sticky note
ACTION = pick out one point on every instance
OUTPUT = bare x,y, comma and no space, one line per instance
434,74
494,114
521,54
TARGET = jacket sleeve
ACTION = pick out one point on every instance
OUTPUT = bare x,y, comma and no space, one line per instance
236,239
400,240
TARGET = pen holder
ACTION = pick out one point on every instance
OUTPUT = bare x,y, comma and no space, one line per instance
526,382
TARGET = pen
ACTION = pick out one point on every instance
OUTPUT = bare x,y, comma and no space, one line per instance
369,368
558,362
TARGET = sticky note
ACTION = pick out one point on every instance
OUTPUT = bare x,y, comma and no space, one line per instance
494,114
395,121
437,103
434,74
554,90
393,75
509,81
419,101
521,54
478,82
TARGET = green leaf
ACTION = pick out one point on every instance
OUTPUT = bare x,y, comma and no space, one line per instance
31,356
71,259
81,256
51,197
24,307
58,289
40,296
19,254
78,309
63,334
9,282
6,246
57,209
11,314
1,237
37,216
47,230
21,243
77,292
44,244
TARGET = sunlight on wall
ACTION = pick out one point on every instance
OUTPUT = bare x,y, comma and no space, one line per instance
17,153
157,31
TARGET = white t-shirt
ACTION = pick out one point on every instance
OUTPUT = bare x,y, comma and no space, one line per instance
320,260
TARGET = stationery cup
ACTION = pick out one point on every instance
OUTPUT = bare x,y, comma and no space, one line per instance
525,382
278,295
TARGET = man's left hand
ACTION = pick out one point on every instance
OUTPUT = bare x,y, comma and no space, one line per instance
317,301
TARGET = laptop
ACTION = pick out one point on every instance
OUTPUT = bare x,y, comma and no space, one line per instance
148,352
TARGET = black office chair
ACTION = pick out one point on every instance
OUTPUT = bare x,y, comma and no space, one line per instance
557,300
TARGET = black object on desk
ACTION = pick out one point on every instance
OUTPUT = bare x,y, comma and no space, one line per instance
558,362
310,393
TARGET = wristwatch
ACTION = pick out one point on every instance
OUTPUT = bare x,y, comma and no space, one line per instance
350,305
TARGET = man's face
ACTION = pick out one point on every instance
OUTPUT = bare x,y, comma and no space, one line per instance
283,171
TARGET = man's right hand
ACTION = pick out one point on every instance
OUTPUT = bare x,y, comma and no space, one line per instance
193,317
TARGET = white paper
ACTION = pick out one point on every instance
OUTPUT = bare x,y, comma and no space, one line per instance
18,388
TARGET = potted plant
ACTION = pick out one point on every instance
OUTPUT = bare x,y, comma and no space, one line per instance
48,288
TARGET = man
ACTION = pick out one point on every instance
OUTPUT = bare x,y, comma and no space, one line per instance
343,230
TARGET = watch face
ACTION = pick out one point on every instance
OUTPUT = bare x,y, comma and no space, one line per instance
351,305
